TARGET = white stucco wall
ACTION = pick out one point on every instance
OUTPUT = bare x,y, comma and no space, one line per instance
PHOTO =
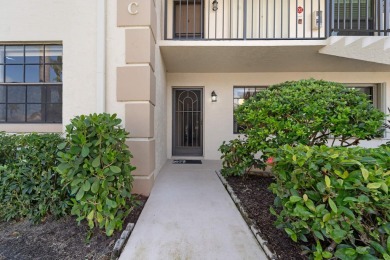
160,116
70,22
218,116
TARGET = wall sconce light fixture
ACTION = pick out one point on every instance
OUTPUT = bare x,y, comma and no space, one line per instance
213,97
215,5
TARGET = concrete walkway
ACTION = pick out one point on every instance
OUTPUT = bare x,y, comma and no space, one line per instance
189,215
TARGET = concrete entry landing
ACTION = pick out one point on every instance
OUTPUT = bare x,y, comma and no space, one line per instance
189,215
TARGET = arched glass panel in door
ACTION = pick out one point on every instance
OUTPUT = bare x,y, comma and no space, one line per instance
187,122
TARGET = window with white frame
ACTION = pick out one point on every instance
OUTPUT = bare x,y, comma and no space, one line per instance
31,83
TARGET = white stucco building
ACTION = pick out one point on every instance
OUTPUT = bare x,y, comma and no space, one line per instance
156,63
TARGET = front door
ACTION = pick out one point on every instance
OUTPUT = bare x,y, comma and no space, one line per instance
187,127
188,19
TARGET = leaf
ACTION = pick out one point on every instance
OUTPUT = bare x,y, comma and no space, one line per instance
327,181
61,146
96,162
115,169
332,205
362,250
294,199
85,151
377,247
305,198
91,215
111,203
291,233
350,199
86,185
385,188
388,244
318,235
310,205
326,217
364,173
338,235
327,254
63,166
95,186
374,185
299,209
347,212
99,217
80,194
294,158
75,182
346,253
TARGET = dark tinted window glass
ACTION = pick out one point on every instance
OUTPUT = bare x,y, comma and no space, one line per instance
14,55
2,113
2,94
54,94
35,112
17,94
16,113
54,113
27,101
35,94
1,73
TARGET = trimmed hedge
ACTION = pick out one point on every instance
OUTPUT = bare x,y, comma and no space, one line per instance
309,112
29,185
337,197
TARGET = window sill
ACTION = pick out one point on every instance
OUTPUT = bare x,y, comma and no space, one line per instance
30,128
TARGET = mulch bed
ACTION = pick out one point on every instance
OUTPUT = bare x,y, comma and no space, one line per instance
58,239
257,199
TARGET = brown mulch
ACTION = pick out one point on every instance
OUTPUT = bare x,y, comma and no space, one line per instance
59,238
257,200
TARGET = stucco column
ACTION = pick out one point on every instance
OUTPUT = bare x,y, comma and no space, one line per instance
136,86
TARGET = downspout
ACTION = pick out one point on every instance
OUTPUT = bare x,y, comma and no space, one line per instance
101,57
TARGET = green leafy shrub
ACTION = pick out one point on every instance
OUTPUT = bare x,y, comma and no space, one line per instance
335,196
305,112
7,147
95,165
237,159
29,185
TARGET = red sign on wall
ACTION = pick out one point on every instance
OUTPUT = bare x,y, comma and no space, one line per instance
300,9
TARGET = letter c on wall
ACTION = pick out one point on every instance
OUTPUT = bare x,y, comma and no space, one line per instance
131,8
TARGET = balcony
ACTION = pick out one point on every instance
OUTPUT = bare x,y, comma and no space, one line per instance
245,36
274,19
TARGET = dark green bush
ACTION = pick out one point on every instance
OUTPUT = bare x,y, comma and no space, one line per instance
29,185
305,112
95,166
335,196
237,159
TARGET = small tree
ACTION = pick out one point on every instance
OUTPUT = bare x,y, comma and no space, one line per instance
306,112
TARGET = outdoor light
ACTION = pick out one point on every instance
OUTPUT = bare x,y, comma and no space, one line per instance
213,97
215,5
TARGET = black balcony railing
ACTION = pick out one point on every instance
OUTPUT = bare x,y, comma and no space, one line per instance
360,17
274,19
